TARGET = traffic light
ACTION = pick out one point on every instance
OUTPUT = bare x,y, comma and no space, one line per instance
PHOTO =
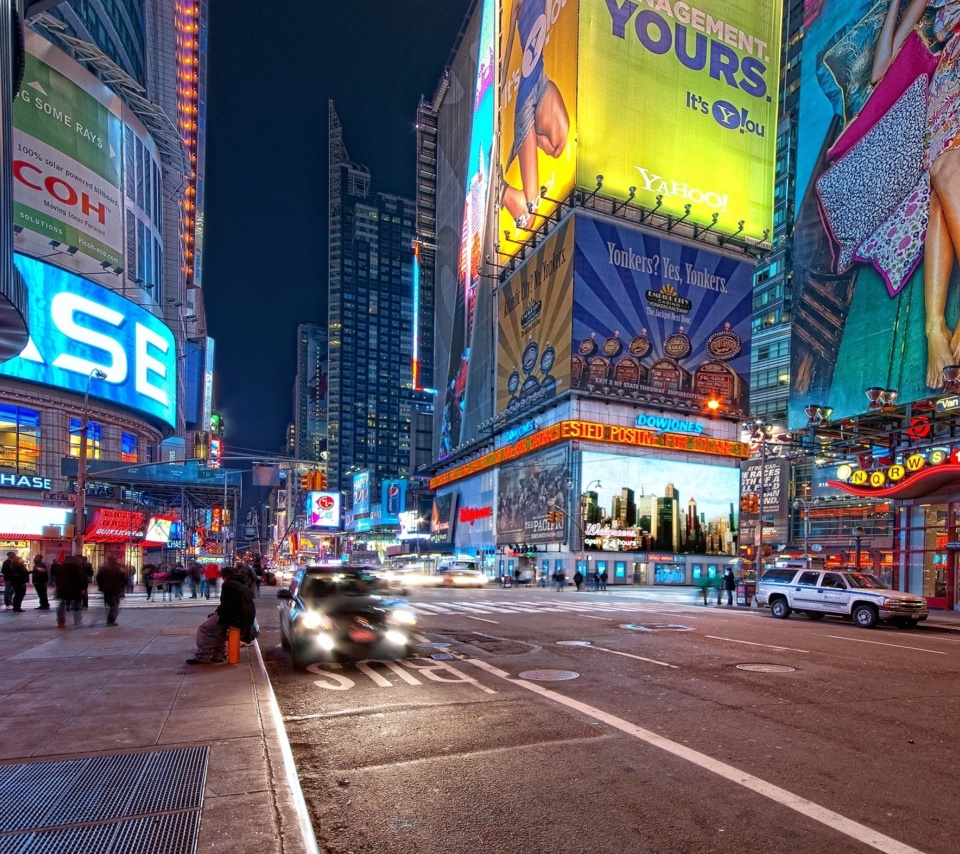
306,481
320,480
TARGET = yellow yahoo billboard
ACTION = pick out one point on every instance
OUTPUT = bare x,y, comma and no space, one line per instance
679,101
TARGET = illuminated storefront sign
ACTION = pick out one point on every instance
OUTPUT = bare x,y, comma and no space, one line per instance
361,493
25,481
593,431
469,515
77,327
916,475
25,520
115,526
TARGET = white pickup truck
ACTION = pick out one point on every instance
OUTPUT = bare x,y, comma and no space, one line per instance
857,595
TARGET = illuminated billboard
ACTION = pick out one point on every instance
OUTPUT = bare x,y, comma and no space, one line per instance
77,327
67,163
679,101
393,500
645,504
876,144
361,493
471,234
323,509
658,319
533,341
538,115
527,492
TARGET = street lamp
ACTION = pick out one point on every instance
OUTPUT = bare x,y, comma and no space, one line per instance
802,502
857,532
80,506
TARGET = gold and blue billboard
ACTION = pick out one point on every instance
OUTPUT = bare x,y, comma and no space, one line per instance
670,104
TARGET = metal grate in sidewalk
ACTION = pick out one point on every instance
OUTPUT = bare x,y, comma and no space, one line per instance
131,803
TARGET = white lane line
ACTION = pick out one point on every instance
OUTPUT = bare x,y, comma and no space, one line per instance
881,643
481,619
592,617
829,818
751,643
637,657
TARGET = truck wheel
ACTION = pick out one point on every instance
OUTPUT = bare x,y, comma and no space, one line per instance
865,616
780,609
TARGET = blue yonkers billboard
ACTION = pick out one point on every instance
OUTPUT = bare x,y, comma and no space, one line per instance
77,327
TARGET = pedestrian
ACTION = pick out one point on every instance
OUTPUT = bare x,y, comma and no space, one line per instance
69,579
15,577
87,569
237,609
161,580
196,577
112,581
148,571
244,574
177,576
211,572
560,577
602,580
703,582
516,577
5,569
729,584
578,579
40,579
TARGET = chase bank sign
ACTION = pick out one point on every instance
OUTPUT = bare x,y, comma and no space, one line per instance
77,327
24,481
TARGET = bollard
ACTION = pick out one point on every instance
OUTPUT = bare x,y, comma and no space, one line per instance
233,645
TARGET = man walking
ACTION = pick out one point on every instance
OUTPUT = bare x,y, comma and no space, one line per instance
16,577
5,568
729,585
237,609
40,578
69,581
112,581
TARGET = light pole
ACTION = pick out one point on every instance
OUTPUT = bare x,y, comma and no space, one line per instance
802,503
858,532
80,506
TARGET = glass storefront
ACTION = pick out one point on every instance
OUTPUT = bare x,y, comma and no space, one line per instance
928,537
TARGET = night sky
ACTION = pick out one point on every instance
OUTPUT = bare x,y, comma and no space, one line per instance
271,70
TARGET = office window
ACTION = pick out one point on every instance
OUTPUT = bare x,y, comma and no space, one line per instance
128,448
93,439
19,439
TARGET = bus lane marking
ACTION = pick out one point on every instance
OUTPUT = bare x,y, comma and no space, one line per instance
752,643
433,671
790,800
881,643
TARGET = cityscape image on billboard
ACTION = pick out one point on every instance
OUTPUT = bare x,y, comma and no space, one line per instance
644,504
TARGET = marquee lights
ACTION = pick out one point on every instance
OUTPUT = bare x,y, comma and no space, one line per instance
592,431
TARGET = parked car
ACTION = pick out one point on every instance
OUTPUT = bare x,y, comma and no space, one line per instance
462,578
857,595
344,611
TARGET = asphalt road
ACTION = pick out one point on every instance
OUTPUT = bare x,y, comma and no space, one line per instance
606,722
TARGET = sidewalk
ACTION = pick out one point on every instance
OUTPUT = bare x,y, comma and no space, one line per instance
110,742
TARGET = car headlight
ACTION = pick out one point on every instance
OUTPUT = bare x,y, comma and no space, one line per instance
402,617
315,620
397,638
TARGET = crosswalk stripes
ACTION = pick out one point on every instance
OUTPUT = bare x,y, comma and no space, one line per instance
521,607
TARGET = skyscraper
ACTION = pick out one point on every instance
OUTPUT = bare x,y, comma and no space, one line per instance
370,324
310,393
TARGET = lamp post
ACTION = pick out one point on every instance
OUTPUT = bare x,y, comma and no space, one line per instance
80,506
858,532
802,503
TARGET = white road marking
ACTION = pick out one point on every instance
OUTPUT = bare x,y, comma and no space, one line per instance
637,657
481,619
829,818
881,643
751,643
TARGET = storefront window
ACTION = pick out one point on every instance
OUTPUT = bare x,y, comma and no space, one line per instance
926,550
19,439
93,439
669,573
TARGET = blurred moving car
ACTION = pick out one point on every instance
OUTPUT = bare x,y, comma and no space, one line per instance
331,612
462,578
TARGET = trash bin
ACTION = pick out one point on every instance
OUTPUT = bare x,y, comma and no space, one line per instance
745,591
506,581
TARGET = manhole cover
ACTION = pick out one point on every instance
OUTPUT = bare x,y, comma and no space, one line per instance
656,627
549,675
766,668
573,643
442,656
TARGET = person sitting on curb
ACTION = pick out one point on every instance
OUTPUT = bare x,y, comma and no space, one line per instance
237,609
